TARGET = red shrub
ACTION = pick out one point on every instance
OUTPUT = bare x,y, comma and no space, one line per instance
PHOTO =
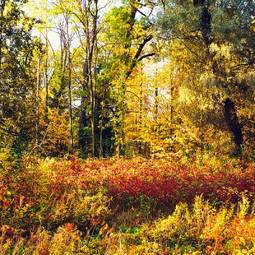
162,181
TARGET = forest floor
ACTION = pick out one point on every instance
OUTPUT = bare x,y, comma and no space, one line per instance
120,206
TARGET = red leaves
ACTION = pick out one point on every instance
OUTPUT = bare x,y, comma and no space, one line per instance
163,181
153,185
69,227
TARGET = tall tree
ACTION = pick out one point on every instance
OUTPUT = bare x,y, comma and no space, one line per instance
129,32
210,31
17,83
88,17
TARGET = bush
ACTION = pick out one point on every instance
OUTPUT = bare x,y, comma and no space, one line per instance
125,207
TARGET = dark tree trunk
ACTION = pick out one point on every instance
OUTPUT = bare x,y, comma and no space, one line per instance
230,115
83,119
233,124
46,66
206,19
82,136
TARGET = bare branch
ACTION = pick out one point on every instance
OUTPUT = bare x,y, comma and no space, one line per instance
147,56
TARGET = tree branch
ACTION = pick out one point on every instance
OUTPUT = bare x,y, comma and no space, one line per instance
146,56
138,54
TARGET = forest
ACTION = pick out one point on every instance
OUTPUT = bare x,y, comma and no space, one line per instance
127,127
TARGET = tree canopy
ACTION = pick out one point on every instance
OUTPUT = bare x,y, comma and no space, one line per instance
130,78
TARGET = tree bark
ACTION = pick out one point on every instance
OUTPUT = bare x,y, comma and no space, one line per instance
82,139
69,82
92,84
83,116
38,83
2,7
46,66
233,124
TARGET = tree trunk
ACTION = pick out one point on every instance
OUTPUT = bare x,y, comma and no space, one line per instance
83,143
89,19
46,70
140,118
230,115
2,7
70,97
92,54
38,83
69,81
233,124
82,125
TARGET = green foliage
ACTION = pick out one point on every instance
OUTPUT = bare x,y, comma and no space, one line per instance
17,77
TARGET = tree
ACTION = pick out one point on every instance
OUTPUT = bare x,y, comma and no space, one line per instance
87,15
17,83
126,45
218,35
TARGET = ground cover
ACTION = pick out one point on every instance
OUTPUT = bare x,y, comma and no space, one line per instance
122,206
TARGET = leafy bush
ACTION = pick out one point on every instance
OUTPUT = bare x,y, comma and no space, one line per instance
201,229
125,207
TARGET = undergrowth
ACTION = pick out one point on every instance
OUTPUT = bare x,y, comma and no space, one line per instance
126,207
